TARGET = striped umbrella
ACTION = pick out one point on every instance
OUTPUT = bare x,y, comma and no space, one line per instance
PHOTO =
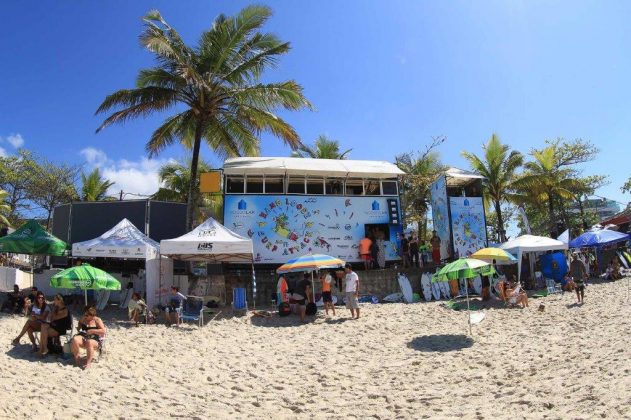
310,262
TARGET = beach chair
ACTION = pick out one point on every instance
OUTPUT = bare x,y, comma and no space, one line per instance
193,310
553,287
239,300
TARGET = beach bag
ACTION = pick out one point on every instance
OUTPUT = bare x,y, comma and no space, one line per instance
284,309
311,309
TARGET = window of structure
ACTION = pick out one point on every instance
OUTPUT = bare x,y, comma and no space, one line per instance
334,186
315,186
372,187
254,184
354,186
235,185
389,188
296,185
274,185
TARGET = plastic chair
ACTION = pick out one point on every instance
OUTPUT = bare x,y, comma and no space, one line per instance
239,299
553,287
193,310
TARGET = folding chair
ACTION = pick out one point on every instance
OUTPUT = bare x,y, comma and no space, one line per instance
193,310
553,287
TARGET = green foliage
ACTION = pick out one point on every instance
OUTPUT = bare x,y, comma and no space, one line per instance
5,209
627,186
214,88
15,177
94,186
323,148
52,185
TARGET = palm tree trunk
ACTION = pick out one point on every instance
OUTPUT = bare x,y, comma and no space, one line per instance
192,186
551,214
500,221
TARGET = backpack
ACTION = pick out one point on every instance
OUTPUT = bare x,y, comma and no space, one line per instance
284,309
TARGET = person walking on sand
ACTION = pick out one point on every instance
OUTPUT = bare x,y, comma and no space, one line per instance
435,242
352,291
327,297
577,268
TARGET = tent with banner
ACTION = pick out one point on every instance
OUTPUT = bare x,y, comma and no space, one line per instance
531,244
126,241
211,242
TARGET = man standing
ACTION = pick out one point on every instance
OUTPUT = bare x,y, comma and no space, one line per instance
577,270
364,251
405,251
435,242
302,295
352,291
327,297
414,251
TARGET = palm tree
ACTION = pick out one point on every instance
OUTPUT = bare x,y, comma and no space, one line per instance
498,167
5,209
544,181
175,177
213,87
323,148
94,186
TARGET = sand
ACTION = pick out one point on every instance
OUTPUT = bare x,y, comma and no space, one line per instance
398,360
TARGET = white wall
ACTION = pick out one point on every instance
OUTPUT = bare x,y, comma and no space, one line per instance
10,276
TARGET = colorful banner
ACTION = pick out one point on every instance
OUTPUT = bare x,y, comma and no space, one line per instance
467,225
440,214
283,227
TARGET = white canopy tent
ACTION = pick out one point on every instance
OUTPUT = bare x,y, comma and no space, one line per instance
531,244
211,242
126,241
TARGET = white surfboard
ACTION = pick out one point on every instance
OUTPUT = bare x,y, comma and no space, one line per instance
394,297
436,290
102,297
426,283
444,289
126,297
477,285
406,288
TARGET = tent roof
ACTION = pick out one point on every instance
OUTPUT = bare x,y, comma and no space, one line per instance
122,241
306,166
458,177
32,239
598,238
529,243
210,241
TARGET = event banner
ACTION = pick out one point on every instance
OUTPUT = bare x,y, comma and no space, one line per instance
440,214
287,226
468,225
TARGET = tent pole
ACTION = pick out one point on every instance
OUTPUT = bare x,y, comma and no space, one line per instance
466,287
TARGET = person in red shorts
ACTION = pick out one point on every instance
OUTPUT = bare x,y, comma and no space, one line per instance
435,242
364,251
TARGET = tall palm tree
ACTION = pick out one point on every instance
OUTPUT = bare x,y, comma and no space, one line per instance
545,181
213,87
5,209
498,167
94,186
323,148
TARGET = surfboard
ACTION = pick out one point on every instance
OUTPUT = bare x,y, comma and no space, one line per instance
102,297
623,260
426,284
406,288
627,256
394,297
281,291
477,285
436,290
126,297
444,289
321,302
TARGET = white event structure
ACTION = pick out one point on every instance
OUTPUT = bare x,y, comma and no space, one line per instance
126,241
531,244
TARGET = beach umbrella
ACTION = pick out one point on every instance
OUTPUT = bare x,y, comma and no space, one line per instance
32,239
464,268
490,254
310,262
84,277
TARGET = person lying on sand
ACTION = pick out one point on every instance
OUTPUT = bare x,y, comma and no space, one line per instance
39,314
91,332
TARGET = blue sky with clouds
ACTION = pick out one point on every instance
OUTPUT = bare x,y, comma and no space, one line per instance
385,76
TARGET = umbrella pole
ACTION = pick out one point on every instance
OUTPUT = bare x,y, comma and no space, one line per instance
312,288
86,296
466,287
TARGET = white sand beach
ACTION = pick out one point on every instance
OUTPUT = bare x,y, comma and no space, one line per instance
409,361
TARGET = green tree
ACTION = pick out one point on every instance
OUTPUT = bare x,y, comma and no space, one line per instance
94,187
5,209
421,169
581,190
214,88
627,186
498,166
323,148
52,185
16,173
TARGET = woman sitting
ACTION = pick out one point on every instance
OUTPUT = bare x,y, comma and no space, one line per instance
136,308
39,315
515,296
91,332
60,323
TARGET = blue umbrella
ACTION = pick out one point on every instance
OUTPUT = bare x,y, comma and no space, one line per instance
598,238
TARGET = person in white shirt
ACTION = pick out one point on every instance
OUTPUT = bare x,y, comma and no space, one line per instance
352,291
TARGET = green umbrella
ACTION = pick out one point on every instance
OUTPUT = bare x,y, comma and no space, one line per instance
464,268
32,239
86,278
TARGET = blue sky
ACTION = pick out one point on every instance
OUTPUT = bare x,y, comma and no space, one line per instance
385,76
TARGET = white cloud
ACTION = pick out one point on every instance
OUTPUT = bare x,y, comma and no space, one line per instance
16,140
3,153
134,177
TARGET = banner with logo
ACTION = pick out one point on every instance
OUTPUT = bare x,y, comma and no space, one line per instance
440,214
283,227
468,225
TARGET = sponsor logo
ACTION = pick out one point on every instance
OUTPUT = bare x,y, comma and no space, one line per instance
206,232
242,205
205,246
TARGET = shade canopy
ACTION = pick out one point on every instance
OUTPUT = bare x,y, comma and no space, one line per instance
210,241
122,241
490,254
463,268
310,262
31,238
530,243
598,238
84,277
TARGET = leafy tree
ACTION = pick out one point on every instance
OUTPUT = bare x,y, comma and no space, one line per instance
583,188
493,232
214,88
627,186
15,177
5,209
94,186
498,166
52,185
323,148
421,170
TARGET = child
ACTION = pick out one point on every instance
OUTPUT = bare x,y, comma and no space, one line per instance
327,297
